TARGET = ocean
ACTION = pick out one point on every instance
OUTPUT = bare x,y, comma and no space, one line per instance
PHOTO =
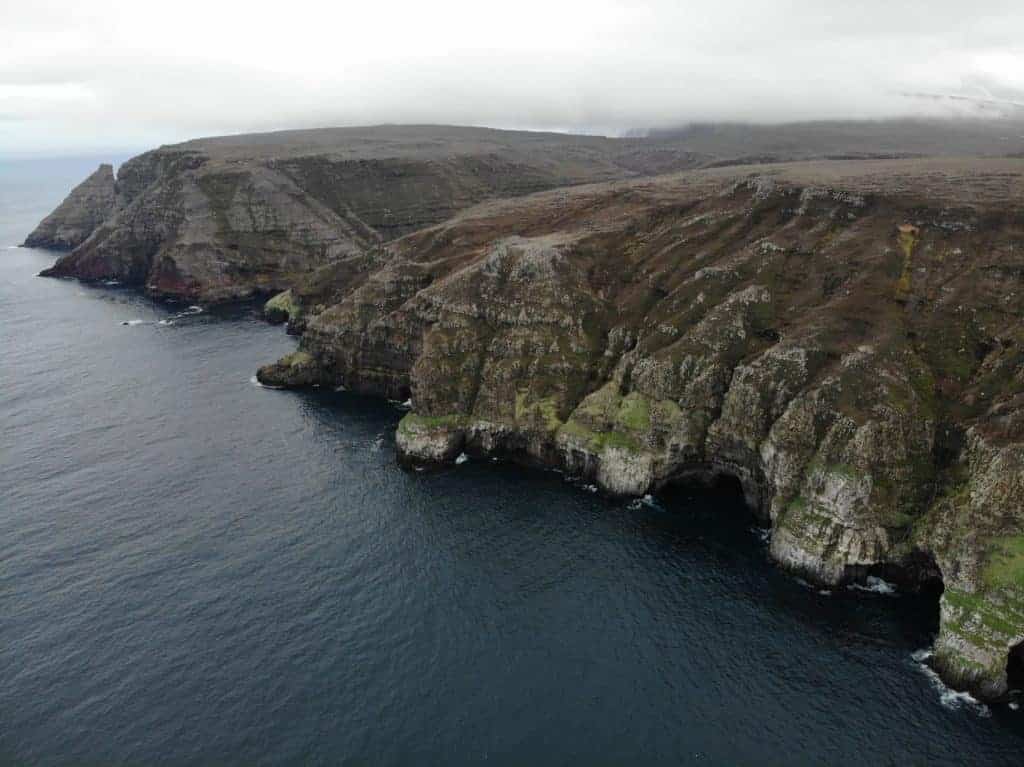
198,570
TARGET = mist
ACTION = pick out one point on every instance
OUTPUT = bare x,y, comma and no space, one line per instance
110,74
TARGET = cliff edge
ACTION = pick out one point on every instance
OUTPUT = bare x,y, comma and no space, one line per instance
88,205
222,218
845,339
226,218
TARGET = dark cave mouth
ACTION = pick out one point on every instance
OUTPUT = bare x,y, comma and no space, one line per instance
1015,667
916,573
733,487
722,489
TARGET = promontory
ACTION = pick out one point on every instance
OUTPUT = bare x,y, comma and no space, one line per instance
833,317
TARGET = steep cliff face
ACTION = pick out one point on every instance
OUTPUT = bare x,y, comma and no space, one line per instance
219,219
844,339
210,232
222,218
88,205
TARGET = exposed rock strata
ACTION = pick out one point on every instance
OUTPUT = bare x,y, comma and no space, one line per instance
88,205
222,218
225,218
845,339
863,379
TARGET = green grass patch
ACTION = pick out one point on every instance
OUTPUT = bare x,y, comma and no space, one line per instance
282,303
543,411
596,441
991,627
297,358
1005,565
634,412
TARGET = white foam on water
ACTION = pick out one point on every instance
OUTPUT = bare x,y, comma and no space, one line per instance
948,697
637,503
875,586
165,322
461,459
825,592
190,312
111,282
1014,705
340,387
764,534
133,322
256,382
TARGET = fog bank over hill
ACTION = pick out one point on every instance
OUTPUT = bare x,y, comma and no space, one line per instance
112,73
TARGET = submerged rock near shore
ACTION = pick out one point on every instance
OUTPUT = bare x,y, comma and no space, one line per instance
844,339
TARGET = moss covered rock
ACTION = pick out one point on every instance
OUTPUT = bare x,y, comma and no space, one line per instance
296,370
281,308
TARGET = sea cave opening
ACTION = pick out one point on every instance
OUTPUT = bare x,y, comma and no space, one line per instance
725,487
1015,667
724,478
916,577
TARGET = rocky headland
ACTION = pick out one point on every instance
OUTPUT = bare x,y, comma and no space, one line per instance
228,218
89,205
844,339
224,218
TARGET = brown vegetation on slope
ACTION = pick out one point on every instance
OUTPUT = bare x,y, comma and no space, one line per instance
845,338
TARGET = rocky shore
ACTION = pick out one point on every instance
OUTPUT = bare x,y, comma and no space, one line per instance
845,339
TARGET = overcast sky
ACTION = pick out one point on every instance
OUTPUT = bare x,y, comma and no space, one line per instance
124,74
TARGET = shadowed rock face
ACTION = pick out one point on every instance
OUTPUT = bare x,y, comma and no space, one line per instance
846,339
88,205
219,219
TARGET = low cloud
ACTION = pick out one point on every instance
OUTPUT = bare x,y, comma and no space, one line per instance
110,73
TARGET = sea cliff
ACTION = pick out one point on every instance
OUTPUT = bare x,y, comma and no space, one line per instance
844,338
226,218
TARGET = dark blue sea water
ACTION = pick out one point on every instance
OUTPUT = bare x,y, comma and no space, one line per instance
196,570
